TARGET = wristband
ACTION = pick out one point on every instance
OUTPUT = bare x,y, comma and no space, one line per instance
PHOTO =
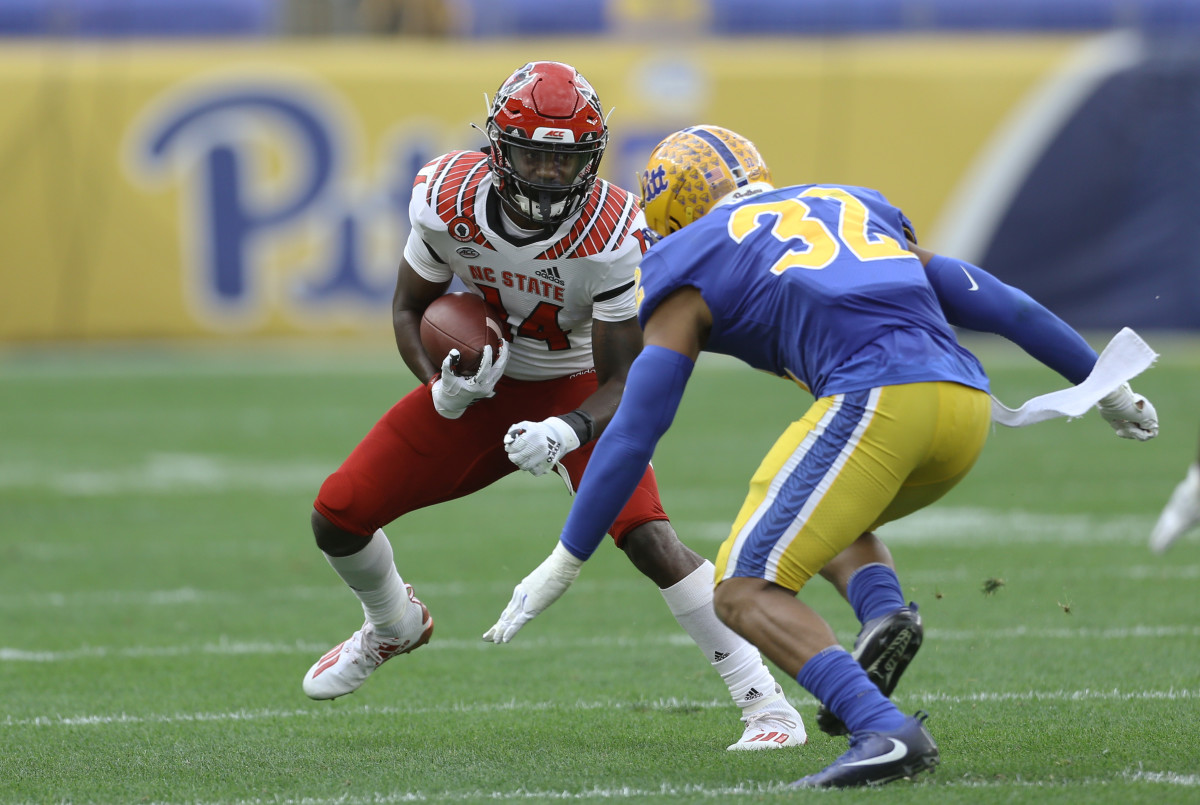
583,423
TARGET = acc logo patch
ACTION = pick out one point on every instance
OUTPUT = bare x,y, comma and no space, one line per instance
463,229
467,252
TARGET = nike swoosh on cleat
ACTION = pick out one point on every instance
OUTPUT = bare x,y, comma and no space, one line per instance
899,750
974,284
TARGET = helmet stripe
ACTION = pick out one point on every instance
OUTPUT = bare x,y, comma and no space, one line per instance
736,169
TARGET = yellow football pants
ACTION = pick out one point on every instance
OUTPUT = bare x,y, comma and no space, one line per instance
854,462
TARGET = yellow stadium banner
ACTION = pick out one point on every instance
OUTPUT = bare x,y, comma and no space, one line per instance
261,189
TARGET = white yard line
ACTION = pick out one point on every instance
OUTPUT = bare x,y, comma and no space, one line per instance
969,528
693,792
190,596
165,474
175,473
557,644
688,792
161,474
322,710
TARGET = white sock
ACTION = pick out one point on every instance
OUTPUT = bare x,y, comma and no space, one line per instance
750,682
371,574
690,600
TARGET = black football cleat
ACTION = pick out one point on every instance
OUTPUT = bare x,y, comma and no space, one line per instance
884,648
875,758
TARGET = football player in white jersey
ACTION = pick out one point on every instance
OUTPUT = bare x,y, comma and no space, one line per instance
527,224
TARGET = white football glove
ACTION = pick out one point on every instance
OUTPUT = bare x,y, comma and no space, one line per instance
535,593
453,394
537,446
1131,415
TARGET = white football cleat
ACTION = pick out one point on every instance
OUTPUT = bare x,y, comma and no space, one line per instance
1181,513
347,665
775,726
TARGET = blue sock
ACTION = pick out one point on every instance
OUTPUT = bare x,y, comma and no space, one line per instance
843,686
874,590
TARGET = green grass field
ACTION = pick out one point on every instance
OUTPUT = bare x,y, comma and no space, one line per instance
161,598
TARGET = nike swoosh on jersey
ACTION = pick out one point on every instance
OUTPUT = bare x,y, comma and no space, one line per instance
974,284
899,750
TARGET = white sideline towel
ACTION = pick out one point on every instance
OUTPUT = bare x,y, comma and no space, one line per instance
1125,357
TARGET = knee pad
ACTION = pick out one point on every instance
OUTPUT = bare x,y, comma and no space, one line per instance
337,493
335,534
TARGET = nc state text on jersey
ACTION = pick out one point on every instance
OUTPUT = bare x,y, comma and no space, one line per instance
521,282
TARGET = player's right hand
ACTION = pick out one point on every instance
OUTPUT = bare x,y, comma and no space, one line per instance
453,394
1131,415
541,588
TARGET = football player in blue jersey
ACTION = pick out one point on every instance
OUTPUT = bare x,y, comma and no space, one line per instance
825,285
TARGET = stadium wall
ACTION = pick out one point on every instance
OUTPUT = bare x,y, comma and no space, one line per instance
261,188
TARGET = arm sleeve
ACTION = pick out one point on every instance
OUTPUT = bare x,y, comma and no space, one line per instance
653,390
972,298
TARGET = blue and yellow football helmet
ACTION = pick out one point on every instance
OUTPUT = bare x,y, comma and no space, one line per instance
693,169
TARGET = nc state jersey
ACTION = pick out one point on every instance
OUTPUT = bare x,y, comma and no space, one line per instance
815,283
549,289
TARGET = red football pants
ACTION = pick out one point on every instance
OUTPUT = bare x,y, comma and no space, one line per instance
413,457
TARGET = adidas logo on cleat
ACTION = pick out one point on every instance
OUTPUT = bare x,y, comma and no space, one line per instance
751,695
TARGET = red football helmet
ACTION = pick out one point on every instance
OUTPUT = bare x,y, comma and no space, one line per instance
547,134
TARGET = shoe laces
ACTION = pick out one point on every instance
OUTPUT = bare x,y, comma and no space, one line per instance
759,718
374,647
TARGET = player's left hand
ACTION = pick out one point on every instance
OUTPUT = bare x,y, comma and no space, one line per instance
1131,415
535,593
536,446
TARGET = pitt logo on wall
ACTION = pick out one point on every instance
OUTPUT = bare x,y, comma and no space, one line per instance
276,215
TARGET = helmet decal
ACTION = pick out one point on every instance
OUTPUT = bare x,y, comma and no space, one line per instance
654,182
514,83
690,171
735,168
589,94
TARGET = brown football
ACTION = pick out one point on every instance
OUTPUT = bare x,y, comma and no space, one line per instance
462,321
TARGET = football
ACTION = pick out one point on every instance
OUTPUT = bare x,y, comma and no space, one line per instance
462,321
